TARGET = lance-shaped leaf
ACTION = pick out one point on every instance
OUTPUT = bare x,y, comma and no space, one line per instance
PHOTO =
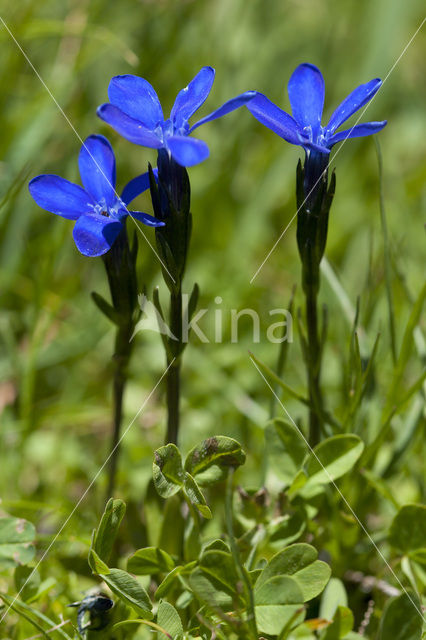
169,620
108,527
16,538
128,589
210,460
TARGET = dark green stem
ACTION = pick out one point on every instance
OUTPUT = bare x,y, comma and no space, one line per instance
120,267
174,363
313,367
121,356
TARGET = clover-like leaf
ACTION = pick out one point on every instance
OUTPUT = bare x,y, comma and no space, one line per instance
215,579
300,562
16,542
167,470
408,529
402,618
277,600
209,461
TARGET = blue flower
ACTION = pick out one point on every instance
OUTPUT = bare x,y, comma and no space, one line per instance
306,94
98,211
135,113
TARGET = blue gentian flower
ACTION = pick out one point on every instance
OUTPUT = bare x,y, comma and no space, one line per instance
306,94
135,113
98,211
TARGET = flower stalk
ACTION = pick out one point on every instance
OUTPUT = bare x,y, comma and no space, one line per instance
314,199
120,265
170,195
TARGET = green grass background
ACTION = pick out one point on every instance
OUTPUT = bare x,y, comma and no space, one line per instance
56,347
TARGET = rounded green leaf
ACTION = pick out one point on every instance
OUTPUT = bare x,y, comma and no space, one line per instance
167,470
402,618
149,561
193,493
16,538
27,582
210,460
214,581
332,458
286,449
408,529
276,601
300,562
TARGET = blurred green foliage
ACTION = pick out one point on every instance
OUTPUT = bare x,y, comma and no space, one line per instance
55,348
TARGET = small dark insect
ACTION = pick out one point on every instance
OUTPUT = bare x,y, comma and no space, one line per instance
97,606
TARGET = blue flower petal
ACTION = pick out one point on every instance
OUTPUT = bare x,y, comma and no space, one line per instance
97,168
354,101
191,98
136,186
128,127
187,151
150,221
57,195
276,119
227,107
95,234
137,98
357,131
306,94
311,146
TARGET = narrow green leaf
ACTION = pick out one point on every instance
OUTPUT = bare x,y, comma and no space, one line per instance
106,308
128,589
108,528
169,619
